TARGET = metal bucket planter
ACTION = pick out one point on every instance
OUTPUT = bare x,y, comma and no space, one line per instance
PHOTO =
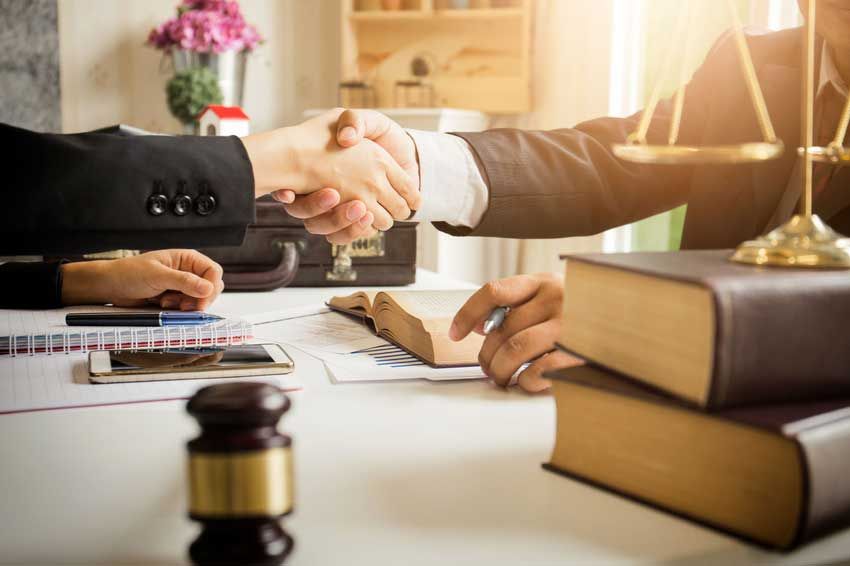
229,67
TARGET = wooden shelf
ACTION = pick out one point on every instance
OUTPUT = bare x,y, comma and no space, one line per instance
418,15
480,14
478,57
389,16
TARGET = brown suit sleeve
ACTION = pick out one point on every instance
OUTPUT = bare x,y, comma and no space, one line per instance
568,182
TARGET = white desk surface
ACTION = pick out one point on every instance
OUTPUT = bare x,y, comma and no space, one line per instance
394,473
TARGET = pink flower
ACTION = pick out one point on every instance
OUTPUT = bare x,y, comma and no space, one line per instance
206,26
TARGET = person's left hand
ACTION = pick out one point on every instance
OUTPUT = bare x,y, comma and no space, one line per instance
172,279
528,334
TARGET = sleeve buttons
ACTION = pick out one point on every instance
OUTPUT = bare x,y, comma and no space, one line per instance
181,205
157,204
205,205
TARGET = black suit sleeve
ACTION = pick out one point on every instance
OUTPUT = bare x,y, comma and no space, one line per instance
79,193
31,285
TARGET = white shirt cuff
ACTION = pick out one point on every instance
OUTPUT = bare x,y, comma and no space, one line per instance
453,189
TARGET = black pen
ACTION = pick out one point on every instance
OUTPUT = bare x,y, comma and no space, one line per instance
166,318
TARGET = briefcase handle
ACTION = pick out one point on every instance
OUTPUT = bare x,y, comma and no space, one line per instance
279,276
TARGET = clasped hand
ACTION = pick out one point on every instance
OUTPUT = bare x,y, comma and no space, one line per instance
304,159
355,134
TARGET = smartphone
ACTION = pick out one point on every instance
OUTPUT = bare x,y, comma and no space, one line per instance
123,366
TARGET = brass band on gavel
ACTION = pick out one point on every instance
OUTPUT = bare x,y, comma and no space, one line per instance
246,484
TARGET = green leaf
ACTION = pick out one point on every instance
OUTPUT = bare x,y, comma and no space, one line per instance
190,91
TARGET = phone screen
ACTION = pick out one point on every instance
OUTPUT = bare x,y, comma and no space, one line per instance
174,359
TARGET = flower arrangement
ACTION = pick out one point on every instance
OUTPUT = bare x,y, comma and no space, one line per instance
206,26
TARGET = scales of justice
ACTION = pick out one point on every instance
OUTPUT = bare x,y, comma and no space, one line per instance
805,240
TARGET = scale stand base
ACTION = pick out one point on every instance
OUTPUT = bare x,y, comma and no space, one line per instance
803,241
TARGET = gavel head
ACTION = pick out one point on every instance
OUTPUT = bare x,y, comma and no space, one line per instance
240,475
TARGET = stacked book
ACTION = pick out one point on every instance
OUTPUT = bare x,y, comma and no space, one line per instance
717,391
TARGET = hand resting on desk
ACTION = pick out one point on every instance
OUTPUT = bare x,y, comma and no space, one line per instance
171,279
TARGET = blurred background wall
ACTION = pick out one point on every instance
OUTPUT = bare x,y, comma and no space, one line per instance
109,75
29,64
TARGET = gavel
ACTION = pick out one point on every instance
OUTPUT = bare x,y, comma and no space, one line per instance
240,475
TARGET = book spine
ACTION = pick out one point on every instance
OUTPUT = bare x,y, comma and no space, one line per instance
825,451
779,342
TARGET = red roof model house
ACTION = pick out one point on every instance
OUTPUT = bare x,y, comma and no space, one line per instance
217,120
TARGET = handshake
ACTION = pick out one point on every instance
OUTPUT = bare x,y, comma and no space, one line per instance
346,173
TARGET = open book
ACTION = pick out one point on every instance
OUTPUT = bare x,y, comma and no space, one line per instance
417,321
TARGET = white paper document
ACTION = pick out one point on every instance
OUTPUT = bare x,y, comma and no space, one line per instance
30,383
391,364
352,352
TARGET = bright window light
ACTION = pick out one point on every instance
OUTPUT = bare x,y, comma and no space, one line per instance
625,87
782,14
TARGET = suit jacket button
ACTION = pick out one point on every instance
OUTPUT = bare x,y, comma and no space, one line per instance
157,204
205,205
181,205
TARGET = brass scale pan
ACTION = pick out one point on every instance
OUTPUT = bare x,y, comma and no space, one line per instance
693,155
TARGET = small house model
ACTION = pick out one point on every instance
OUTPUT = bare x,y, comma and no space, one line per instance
217,120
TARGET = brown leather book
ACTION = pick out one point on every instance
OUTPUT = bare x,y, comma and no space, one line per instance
775,475
417,321
709,331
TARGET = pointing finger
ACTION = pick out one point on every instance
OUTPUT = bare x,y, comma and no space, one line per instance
509,292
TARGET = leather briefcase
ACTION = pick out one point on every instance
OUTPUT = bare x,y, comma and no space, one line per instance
278,251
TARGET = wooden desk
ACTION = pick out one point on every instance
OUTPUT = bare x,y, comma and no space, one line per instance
395,473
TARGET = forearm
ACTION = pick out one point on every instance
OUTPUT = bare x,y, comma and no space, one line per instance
275,161
565,183
295,157
85,283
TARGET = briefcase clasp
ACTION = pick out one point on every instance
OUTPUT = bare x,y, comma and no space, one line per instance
373,246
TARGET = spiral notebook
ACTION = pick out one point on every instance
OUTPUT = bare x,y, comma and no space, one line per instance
83,339
53,337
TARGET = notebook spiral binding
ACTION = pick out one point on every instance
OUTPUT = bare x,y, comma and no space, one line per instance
223,333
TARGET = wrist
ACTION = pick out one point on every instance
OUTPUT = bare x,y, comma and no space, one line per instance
276,160
85,282
418,177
